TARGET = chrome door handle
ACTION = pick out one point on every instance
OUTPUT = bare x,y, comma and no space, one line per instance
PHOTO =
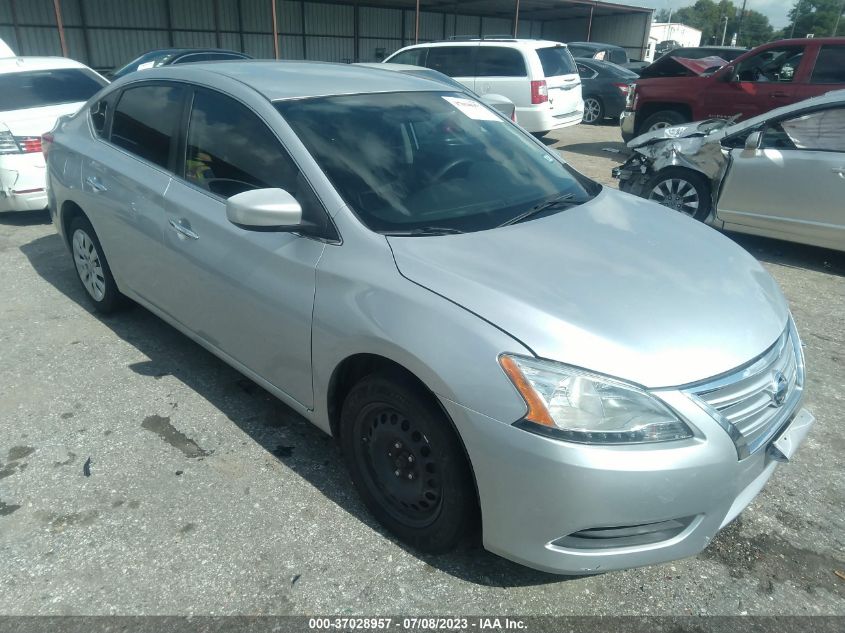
183,231
96,184
839,171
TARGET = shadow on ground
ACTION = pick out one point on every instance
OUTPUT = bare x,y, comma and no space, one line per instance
792,254
614,150
25,218
278,429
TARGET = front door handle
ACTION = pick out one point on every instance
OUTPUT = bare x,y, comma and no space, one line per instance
779,95
839,171
96,184
183,231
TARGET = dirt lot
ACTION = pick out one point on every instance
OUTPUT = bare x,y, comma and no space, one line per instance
141,475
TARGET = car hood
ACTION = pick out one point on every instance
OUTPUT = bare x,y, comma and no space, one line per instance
36,121
618,285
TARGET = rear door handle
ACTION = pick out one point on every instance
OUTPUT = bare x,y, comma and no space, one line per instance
840,171
96,184
183,231
779,95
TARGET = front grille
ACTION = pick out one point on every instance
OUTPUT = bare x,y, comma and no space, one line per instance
754,402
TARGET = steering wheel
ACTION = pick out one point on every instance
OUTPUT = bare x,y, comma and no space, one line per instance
449,167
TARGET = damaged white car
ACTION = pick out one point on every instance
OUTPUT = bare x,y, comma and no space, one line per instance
780,175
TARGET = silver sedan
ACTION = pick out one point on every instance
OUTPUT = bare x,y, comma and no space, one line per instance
490,336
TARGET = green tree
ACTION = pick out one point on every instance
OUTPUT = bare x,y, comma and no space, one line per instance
818,17
752,27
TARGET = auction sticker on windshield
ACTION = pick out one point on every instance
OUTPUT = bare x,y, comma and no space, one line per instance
473,109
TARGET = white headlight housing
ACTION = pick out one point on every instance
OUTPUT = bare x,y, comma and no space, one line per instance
576,406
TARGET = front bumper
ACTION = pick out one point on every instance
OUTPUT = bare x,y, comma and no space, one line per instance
543,501
627,125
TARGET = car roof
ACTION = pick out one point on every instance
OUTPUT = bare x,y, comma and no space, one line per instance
510,43
23,64
182,51
594,45
277,80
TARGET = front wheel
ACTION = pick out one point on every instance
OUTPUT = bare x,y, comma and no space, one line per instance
682,190
92,269
407,462
662,119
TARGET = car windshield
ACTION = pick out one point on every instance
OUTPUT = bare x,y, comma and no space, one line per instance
39,88
414,160
557,60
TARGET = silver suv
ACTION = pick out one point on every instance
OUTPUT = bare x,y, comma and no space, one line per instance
487,333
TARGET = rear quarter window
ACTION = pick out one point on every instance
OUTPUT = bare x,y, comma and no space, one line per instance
556,60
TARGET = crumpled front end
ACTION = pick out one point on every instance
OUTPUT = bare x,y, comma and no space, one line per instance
672,148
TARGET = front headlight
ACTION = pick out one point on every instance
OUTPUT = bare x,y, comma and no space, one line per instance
573,405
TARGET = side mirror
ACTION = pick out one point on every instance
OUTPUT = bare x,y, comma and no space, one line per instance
752,141
265,210
728,74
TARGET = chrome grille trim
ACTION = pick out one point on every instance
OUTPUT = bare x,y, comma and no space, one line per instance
743,402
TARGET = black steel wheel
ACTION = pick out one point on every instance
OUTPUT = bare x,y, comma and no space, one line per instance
407,462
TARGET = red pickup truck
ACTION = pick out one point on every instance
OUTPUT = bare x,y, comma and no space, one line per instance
767,77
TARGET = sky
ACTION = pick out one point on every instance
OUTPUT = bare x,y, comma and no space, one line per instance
776,10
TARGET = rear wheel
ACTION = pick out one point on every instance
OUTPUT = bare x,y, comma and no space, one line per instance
682,190
593,110
407,462
662,119
92,269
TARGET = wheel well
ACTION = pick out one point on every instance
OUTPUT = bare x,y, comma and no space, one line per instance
652,108
70,211
353,369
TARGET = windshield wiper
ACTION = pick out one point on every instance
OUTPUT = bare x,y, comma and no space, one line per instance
561,201
426,230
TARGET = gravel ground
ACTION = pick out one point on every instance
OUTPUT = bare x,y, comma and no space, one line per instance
141,475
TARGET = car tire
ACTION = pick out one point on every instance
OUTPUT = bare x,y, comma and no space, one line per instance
407,462
659,120
681,189
593,110
92,268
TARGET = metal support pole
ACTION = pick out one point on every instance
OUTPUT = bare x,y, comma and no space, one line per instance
838,16
60,24
217,37
417,24
86,37
516,20
168,11
13,7
355,34
590,22
275,30
241,25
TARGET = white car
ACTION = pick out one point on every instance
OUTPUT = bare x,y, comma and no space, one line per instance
34,93
539,76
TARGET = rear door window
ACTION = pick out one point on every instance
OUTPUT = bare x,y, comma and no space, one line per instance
585,72
500,61
556,60
455,61
145,121
830,66
38,88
